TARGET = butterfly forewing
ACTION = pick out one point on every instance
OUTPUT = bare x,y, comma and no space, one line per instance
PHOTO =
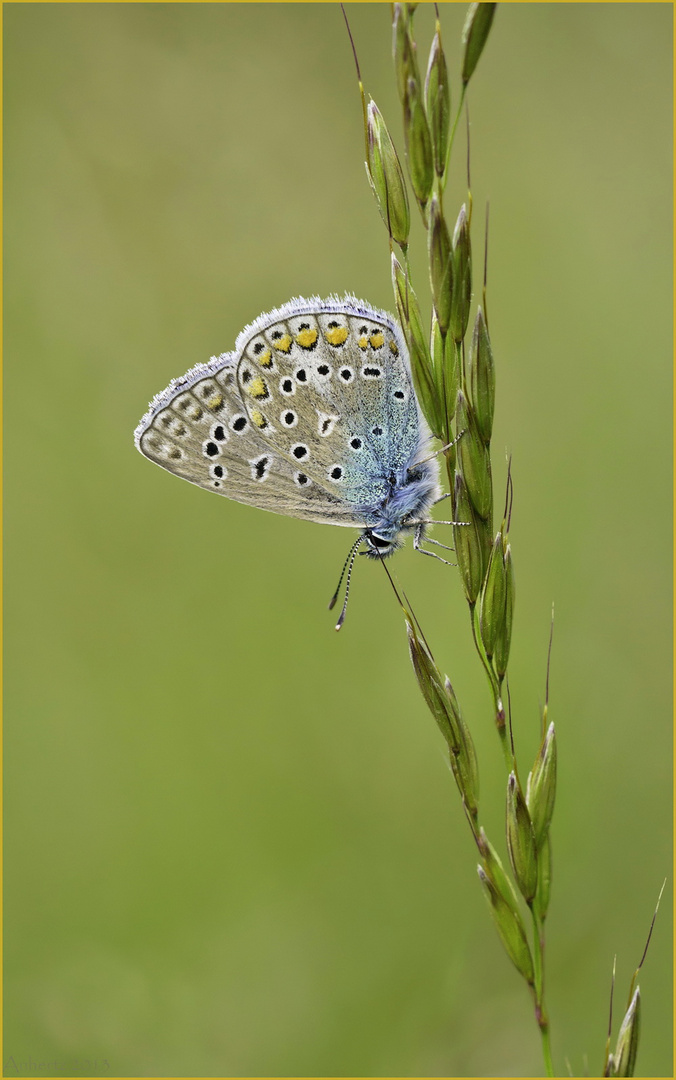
331,391
200,430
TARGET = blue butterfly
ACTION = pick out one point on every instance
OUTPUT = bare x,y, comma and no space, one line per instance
313,415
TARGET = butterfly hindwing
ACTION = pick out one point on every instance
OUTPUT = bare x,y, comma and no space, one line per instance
199,429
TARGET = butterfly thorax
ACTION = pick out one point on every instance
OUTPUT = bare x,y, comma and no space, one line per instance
404,509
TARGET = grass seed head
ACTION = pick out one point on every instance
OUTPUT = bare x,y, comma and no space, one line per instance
504,638
473,458
443,375
510,928
451,374
386,176
624,1058
410,319
492,604
418,144
521,840
438,102
474,36
496,872
403,48
444,708
437,351
465,765
462,276
467,540
429,681
481,377
440,263
541,787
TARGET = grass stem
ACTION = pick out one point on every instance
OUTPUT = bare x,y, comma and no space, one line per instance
539,989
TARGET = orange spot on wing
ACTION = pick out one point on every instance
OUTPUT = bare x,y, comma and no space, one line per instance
337,335
306,338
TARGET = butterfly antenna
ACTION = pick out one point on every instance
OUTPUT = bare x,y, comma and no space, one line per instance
352,557
332,602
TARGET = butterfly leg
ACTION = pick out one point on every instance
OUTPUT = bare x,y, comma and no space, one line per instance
431,540
419,536
433,521
446,523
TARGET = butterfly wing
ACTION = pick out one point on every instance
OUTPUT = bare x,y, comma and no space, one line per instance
199,429
327,383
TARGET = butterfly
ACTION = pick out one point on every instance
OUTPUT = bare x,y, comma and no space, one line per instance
313,415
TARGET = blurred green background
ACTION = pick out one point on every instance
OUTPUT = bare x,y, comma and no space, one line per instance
233,846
